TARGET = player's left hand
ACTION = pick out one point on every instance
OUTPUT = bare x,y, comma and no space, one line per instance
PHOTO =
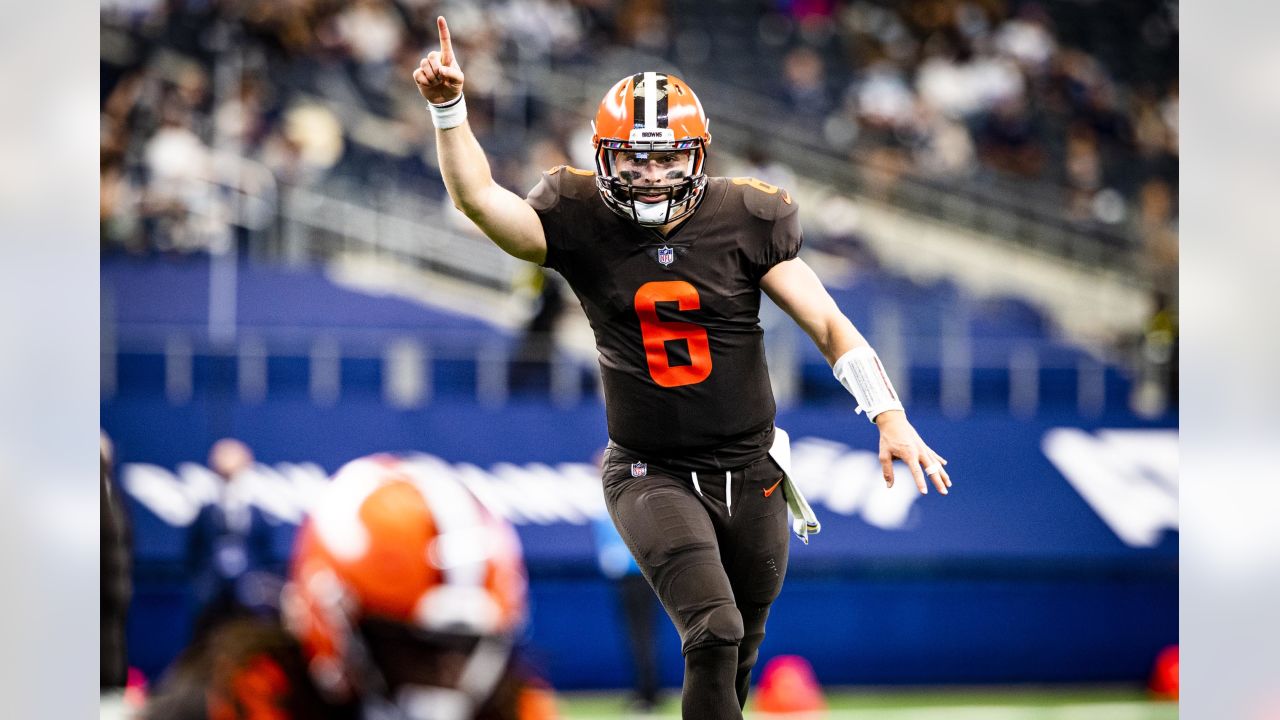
898,439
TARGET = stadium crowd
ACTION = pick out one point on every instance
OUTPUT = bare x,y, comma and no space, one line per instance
1021,96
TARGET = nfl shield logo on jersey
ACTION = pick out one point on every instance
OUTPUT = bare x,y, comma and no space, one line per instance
666,256
639,469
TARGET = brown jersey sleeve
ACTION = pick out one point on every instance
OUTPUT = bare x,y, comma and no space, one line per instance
552,198
773,205
544,198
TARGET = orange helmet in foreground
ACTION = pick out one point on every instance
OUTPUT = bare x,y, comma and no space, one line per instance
405,586
651,117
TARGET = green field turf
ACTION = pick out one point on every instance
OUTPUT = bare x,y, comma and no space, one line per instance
924,704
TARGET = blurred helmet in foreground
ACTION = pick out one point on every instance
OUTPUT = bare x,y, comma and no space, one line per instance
407,588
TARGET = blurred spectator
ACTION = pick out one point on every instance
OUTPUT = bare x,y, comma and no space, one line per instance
644,24
370,30
531,365
239,121
1084,169
228,543
117,207
544,27
1007,139
543,155
1027,38
1156,387
804,84
176,162
1157,228
639,606
308,143
944,148
882,167
762,166
946,86
884,100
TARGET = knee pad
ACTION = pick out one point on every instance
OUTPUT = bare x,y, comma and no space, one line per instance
722,625
725,623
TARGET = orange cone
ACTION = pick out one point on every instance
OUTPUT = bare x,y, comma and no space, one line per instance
788,685
1164,675
135,689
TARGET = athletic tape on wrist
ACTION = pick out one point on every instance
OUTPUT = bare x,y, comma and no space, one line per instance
862,374
450,114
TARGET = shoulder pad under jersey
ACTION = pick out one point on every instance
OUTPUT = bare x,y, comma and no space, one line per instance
561,181
765,201
574,183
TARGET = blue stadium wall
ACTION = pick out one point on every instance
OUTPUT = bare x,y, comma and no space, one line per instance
1025,573
1011,578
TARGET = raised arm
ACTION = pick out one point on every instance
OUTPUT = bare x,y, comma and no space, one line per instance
504,216
798,291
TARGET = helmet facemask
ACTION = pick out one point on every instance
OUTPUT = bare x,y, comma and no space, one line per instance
651,182
435,675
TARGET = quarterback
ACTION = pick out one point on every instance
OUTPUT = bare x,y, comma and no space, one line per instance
668,265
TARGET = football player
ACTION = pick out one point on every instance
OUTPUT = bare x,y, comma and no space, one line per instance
404,598
668,264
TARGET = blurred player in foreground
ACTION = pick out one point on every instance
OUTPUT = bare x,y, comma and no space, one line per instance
405,595
669,265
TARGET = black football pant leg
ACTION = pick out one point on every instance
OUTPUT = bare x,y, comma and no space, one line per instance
754,549
716,573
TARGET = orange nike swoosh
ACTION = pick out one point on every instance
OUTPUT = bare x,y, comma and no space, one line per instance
769,491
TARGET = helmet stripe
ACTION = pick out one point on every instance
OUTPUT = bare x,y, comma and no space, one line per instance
663,88
637,103
460,548
651,100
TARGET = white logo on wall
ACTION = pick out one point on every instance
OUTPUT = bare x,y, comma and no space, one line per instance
844,481
1128,477
850,482
532,493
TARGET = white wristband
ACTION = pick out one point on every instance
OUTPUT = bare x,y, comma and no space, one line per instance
862,374
451,114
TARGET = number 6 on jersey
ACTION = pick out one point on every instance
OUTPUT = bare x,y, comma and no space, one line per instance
657,333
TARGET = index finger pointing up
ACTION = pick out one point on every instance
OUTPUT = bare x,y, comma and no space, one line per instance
446,47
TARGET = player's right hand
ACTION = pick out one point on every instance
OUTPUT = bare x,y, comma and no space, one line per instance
439,77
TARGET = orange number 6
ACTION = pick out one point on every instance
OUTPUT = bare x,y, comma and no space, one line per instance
657,333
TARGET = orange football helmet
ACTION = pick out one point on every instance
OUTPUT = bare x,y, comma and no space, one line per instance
641,116
388,552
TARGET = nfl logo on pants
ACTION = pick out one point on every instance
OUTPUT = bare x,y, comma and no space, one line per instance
639,469
666,256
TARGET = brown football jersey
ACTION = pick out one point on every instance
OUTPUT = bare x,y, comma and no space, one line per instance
676,318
